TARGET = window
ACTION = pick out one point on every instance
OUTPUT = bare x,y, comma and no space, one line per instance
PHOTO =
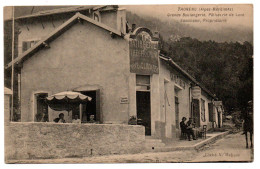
142,83
203,118
28,44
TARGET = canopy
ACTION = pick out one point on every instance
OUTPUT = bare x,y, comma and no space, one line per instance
69,95
66,100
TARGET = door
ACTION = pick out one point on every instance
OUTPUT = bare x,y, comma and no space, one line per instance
144,110
92,107
196,112
42,108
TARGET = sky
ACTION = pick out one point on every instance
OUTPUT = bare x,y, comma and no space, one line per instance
168,13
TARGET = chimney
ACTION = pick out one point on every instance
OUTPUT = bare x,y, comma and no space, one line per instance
133,27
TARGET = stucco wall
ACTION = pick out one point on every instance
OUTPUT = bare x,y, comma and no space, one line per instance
167,109
207,100
85,55
7,99
52,140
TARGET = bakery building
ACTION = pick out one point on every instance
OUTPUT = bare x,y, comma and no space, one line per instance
93,51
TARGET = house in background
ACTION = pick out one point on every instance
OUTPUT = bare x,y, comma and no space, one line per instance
91,50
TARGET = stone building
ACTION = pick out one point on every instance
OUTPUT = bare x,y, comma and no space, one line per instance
92,50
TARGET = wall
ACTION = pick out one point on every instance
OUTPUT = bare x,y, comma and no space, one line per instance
207,99
85,55
52,140
37,29
165,125
7,99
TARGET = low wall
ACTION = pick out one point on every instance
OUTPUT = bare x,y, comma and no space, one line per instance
54,140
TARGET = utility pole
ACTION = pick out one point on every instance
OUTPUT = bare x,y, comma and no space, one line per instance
12,76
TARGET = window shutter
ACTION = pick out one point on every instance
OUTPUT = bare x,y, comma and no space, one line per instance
25,47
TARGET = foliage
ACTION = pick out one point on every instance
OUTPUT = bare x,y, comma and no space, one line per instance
224,68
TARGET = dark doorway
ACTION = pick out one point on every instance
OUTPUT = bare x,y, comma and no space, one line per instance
196,111
92,107
219,126
144,110
42,108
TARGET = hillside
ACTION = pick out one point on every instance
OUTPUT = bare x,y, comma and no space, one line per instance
174,28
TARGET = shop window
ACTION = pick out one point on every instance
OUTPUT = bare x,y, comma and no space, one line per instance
28,44
143,83
203,118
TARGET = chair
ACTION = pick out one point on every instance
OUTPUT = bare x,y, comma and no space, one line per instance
204,131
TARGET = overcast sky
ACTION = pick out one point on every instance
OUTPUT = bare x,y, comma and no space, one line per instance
162,12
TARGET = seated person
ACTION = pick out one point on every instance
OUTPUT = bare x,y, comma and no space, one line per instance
183,125
190,131
60,119
91,119
76,119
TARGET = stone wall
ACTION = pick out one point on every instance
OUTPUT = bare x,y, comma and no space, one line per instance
52,140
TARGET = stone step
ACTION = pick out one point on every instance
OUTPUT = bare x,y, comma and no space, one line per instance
153,140
154,145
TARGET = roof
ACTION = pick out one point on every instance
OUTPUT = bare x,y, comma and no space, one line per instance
8,91
186,74
61,29
65,10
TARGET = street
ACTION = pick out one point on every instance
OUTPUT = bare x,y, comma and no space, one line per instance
230,148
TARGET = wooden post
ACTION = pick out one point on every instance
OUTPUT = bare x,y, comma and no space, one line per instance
12,76
80,112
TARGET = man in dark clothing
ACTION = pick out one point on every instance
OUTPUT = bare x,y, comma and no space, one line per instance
190,130
183,125
60,119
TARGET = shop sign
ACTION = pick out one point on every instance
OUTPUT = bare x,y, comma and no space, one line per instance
144,58
196,92
177,80
124,100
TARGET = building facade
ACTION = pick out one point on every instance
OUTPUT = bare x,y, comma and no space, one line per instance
92,52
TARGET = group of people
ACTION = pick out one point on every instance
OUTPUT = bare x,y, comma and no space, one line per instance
187,128
76,119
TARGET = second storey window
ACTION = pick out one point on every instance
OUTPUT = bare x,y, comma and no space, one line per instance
28,44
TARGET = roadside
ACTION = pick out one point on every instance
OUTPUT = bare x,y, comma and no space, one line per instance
176,155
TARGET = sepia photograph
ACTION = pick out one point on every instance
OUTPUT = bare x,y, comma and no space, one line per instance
159,83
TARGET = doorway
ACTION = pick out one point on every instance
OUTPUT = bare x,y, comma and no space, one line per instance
92,107
196,112
143,105
41,107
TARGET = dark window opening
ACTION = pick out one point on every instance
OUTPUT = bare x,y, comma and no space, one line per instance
42,108
28,44
91,108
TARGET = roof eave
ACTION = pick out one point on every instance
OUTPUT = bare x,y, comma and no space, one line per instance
187,75
46,40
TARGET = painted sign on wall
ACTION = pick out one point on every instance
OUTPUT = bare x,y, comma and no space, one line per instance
144,57
196,92
177,80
